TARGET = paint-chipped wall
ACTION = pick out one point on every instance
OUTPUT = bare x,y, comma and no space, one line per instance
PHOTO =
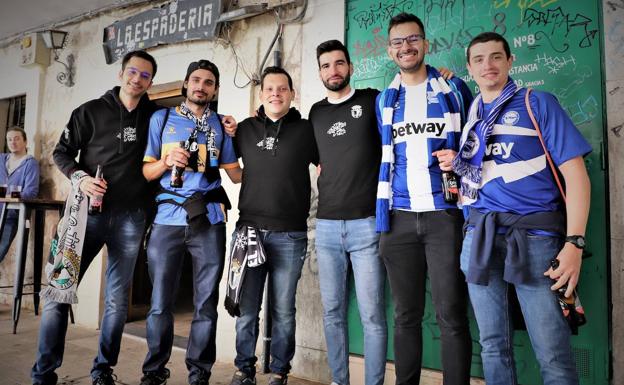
49,105
613,12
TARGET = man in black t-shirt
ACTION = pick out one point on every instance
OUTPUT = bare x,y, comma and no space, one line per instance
276,147
345,128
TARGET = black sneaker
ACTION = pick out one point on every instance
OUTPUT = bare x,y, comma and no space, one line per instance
201,379
155,378
105,378
278,379
242,378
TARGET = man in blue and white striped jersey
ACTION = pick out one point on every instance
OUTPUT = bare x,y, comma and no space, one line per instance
420,119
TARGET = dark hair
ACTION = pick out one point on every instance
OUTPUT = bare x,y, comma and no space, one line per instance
403,18
275,70
202,64
140,54
18,129
484,38
329,46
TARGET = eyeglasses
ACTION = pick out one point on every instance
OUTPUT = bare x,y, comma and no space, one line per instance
397,42
133,72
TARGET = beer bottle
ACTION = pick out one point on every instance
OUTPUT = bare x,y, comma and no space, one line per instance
571,306
176,172
95,203
450,187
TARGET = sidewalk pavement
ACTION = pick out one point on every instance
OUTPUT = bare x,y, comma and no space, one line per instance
17,353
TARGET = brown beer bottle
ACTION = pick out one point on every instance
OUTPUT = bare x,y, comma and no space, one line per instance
95,203
571,306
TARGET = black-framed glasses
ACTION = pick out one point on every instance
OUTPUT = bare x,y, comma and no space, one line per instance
397,42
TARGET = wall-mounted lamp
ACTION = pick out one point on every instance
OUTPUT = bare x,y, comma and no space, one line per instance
55,40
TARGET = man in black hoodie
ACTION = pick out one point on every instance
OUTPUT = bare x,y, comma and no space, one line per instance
277,147
110,131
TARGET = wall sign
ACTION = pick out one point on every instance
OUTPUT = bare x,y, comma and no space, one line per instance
174,22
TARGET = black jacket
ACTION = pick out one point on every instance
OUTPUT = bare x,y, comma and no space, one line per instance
275,192
105,133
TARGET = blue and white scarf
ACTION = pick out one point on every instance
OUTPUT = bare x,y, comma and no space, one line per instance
468,162
450,103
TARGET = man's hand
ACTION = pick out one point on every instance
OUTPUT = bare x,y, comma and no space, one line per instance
446,73
176,157
569,268
93,187
229,124
445,158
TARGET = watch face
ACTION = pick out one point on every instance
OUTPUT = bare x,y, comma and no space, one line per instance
580,241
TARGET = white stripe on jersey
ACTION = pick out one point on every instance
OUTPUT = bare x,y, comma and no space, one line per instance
511,172
416,150
503,129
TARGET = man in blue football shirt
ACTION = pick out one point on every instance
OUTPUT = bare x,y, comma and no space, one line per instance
517,222
190,218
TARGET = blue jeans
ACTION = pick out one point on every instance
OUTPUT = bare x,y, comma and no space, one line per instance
165,254
338,244
121,231
547,328
7,236
286,252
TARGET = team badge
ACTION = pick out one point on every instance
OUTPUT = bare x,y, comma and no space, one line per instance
356,111
471,147
432,98
510,118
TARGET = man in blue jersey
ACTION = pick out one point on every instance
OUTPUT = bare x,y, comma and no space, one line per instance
517,224
190,218
420,117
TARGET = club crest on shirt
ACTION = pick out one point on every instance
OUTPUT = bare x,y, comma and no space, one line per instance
356,111
337,129
432,98
510,118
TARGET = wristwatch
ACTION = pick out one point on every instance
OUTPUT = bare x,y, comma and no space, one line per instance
576,240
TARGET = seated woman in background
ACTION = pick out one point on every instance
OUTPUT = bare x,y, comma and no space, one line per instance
18,172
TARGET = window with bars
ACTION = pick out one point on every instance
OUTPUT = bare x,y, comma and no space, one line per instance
17,109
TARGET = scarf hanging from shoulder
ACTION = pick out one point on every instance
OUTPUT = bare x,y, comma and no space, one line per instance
201,125
63,267
247,251
468,162
450,104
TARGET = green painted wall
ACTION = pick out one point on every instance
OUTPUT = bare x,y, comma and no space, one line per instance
557,45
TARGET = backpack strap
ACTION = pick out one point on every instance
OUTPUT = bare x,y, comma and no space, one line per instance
541,139
164,123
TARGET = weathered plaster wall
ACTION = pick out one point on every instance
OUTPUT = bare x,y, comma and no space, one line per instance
49,105
613,13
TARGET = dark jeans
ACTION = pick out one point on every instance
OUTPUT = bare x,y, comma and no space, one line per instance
8,233
121,231
165,254
416,244
285,252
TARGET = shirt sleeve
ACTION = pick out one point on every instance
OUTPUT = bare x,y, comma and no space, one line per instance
563,140
30,189
227,157
70,143
154,137
465,96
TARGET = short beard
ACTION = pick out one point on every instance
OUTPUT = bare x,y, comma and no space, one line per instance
198,102
340,86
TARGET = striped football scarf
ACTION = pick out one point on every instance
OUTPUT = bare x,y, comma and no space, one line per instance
468,162
449,102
